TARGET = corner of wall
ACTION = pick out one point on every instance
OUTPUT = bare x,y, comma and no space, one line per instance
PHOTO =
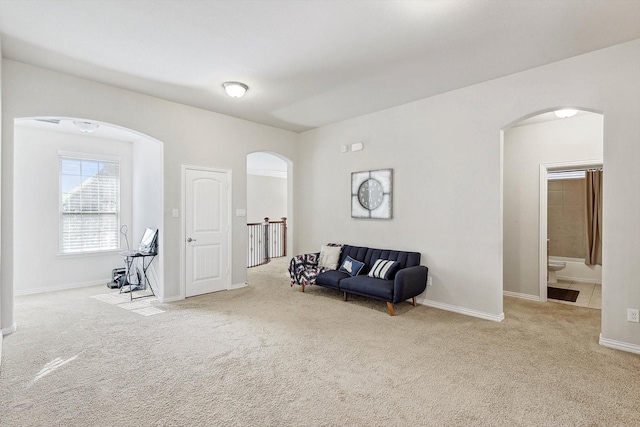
1,120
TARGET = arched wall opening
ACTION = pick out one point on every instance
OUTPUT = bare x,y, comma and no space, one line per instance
531,148
38,141
270,190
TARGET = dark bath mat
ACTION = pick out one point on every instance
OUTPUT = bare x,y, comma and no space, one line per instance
562,294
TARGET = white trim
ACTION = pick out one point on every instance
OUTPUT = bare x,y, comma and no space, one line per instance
580,279
237,286
183,253
521,296
572,174
462,310
89,156
542,238
9,330
171,299
619,345
183,239
267,172
61,287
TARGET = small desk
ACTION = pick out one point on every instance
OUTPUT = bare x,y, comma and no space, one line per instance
129,258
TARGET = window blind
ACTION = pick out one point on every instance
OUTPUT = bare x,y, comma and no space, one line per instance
89,205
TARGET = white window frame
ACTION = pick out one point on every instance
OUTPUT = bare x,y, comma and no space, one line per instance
95,158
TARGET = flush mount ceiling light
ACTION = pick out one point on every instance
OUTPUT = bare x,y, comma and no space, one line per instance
86,127
235,89
565,113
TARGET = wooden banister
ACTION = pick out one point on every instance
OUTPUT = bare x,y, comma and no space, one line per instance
267,240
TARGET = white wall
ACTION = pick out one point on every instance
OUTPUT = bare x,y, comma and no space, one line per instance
576,269
447,158
38,265
148,202
525,148
266,197
8,299
190,136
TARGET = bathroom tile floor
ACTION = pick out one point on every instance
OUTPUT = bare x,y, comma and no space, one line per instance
590,293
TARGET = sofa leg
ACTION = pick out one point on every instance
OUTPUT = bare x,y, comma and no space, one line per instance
302,288
414,301
390,307
345,296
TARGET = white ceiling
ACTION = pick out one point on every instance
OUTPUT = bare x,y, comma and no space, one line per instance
307,63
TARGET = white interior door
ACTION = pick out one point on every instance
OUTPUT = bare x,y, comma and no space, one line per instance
206,231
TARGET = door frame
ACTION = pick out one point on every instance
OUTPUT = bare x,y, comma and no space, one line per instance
183,225
545,168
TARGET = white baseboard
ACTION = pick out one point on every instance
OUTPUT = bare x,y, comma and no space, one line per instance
462,310
619,345
61,287
237,286
579,279
522,296
171,299
9,330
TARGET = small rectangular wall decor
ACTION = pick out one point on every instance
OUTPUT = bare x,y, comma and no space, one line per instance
371,193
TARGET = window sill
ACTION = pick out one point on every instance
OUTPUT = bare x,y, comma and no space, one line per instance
89,254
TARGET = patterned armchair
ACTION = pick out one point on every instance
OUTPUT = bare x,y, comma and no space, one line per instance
304,269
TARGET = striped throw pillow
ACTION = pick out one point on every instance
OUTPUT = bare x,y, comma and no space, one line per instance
384,269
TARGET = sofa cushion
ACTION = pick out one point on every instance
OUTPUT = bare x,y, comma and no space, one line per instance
329,256
369,256
384,269
368,286
406,259
331,278
355,252
351,266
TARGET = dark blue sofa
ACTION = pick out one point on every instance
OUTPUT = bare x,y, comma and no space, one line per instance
409,281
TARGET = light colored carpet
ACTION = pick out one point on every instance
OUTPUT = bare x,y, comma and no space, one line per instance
140,305
270,355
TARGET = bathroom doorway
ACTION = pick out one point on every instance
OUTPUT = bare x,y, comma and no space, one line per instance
563,234
543,141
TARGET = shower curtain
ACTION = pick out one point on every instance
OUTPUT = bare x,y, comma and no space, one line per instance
593,200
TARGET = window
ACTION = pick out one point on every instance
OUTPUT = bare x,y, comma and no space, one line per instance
89,205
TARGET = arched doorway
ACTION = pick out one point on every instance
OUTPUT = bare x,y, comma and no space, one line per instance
533,147
269,196
38,228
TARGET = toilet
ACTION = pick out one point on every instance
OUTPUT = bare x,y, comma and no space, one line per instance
552,267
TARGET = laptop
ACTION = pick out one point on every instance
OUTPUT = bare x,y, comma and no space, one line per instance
148,244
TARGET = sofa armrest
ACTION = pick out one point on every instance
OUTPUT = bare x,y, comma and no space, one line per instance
300,263
409,282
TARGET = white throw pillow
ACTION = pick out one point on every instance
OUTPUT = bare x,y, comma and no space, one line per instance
329,256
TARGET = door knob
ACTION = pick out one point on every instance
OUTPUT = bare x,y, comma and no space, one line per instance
191,240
